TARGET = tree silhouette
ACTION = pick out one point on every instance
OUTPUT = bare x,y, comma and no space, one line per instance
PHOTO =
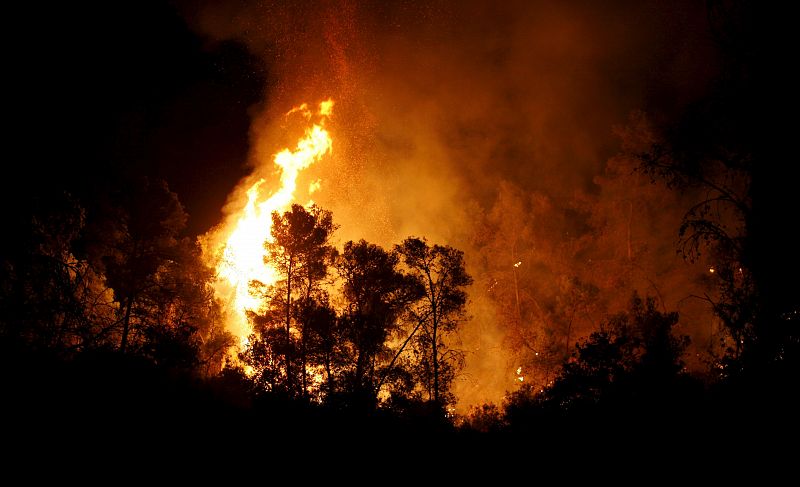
634,354
145,222
182,311
164,304
440,270
301,254
723,148
323,339
376,295
717,222
50,296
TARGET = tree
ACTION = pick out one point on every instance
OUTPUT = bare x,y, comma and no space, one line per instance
183,316
731,150
635,224
134,241
50,296
324,339
718,221
440,270
301,253
114,274
376,295
533,254
164,304
633,354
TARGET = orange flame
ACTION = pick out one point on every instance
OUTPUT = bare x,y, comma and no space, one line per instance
241,242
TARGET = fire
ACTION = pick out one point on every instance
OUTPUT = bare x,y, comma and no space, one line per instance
241,242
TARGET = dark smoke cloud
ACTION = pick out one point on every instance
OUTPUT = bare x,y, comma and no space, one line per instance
439,102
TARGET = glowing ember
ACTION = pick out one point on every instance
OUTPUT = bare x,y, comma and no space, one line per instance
242,241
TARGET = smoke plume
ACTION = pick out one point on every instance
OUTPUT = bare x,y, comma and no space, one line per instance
485,125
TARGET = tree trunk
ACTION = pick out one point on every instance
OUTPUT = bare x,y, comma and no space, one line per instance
435,357
303,364
329,374
434,345
360,367
397,354
126,325
287,355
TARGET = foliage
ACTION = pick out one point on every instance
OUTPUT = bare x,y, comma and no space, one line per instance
634,363
285,331
303,346
117,276
486,418
741,190
51,298
377,296
441,271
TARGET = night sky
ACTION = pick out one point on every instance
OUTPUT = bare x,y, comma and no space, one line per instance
113,90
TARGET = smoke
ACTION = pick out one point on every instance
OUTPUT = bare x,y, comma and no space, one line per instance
438,105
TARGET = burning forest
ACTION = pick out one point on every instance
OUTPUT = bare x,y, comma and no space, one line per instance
466,220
